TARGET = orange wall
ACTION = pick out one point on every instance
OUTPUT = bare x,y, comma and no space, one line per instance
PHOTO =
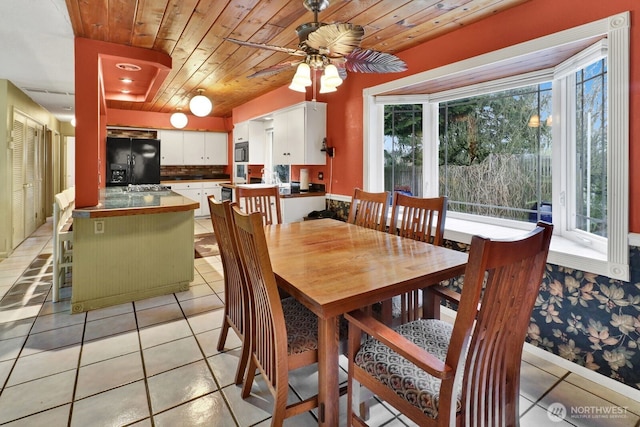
531,20
148,119
91,114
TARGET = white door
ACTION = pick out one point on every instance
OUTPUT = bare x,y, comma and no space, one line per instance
70,164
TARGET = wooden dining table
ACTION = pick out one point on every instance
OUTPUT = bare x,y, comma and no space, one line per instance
333,267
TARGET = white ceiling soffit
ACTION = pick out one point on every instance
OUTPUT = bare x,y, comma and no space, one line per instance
37,52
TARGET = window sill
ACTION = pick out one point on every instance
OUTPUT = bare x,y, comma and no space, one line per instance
563,252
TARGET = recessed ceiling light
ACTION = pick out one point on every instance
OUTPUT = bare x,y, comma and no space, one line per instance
126,80
128,67
125,91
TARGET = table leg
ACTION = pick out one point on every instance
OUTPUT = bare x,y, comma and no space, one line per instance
328,372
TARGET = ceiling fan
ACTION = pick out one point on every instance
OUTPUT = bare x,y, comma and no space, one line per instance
322,46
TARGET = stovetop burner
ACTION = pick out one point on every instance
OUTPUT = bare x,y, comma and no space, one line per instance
140,188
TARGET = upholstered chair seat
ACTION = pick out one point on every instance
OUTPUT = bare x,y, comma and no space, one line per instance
406,379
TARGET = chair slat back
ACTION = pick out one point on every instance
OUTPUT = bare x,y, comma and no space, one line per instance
515,269
369,209
269,342
418,218
235,286
265,200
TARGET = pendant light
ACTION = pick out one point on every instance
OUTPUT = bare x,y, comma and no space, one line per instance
200,105
179,119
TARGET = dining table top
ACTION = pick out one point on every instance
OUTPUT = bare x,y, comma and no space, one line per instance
334,267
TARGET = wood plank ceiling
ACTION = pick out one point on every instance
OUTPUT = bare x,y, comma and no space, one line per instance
192,32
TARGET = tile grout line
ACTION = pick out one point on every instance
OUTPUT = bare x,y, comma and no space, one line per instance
75,382
204,356
538,400
144,366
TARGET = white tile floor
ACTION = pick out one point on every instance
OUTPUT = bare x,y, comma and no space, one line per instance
154,362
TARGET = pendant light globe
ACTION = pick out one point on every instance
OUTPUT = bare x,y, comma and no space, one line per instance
179,120
200,105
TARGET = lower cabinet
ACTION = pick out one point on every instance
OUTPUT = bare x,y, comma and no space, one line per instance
199,192
294,209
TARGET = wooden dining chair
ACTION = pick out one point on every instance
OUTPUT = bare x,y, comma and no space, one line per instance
265,200
285,333
420,219
468,373
236,292
369,209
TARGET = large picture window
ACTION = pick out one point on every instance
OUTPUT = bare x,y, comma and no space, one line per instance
547,143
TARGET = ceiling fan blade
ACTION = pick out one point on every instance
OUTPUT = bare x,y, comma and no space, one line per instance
290,51
372,61
335,40
274,69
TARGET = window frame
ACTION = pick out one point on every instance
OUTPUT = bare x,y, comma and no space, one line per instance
615,262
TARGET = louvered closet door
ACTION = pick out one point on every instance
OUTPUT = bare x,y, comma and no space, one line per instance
30,181
18,183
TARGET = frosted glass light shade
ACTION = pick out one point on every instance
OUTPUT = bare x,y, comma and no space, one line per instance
179,120
331,76
200,105
303,75
324,87
297,87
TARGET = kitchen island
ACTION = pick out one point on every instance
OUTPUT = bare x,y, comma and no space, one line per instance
131,246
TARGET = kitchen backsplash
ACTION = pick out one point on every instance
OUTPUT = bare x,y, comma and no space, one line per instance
212,172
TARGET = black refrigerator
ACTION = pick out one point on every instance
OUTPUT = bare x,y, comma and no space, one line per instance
132,161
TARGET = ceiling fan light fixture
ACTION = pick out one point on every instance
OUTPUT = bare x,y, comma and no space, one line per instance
179,119
302,76
325,87
200,105
331,76
298,87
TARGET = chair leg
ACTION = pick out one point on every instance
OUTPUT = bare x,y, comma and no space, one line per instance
223,333
431,305
242,363
251,374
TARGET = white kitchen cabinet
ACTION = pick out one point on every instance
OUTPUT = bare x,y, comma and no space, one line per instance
209,189
193,191
199,192
298,133
257,141
171,146
241,132
193,148
294,209
215,148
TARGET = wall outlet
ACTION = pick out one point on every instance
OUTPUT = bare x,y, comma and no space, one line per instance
98,227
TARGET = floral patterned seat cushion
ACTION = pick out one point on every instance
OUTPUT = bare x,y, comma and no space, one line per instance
302,326
406,379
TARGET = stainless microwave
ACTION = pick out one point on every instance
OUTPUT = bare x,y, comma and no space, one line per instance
241,153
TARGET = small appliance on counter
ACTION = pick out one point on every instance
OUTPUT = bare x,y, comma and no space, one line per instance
304,180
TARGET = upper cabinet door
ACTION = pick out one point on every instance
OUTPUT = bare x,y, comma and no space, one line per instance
216,148
298,133
171,143
193,148
241,132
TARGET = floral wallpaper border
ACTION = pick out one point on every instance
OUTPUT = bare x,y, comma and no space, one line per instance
588,319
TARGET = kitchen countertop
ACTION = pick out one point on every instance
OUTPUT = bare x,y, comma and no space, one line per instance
114,201
285,196
189,180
